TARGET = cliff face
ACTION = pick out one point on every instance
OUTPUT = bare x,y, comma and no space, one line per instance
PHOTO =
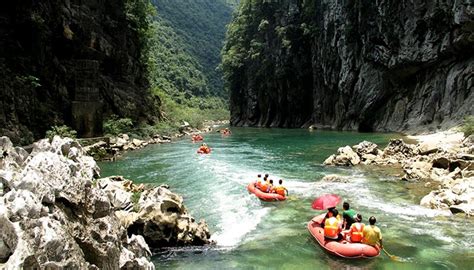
358,65
69,62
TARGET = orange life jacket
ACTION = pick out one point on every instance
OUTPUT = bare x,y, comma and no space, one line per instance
356,232
280,190
331,228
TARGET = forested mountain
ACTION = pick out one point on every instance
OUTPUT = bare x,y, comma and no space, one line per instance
196,28
359,65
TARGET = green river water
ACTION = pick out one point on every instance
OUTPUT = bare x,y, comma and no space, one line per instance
251,234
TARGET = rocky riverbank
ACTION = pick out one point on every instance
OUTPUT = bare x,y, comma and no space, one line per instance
443,161
55,213
110,148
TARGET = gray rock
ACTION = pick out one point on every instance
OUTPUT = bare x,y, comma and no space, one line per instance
346,157
5,252
418,170
335,178
428,148
365,147
465,156
52,217
462,208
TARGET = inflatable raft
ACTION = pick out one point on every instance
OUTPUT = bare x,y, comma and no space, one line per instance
196,138
341,248
200,151
264,196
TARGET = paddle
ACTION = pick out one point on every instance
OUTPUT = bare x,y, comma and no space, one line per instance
392,257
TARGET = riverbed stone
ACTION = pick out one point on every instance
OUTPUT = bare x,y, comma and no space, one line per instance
462,208
398,148
427,148
418,170
366,147
335,178
447,166
345,157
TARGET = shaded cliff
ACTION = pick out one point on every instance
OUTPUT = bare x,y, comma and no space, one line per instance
71,62
358,65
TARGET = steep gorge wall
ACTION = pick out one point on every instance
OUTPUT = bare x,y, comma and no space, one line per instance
357,65
69,62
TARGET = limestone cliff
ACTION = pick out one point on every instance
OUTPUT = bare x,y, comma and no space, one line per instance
359,65
69,62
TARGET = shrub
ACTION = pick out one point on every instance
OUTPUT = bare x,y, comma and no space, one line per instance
115,125
166,128
61,131
468,126
134,199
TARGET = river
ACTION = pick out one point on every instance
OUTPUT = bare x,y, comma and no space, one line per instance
251,234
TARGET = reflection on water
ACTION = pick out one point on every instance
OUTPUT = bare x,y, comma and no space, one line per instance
258,235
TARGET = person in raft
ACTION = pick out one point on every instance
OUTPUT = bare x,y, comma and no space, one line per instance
280,189
204,148
270,187
331,211
348,216
355,233
258,183
371,235
332,226
226,131
264,184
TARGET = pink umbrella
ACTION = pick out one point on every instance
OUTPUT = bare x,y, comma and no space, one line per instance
326,201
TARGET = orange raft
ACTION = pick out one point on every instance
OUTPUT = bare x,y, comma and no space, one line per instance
196,138
264,196
204,151
341,248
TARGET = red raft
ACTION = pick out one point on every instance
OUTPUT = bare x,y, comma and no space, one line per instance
264,196
204,151
341,248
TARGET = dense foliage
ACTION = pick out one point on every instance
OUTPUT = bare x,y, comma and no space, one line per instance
252,34
468,126
172,68
115,125
181,42
201,27
61,131
182,58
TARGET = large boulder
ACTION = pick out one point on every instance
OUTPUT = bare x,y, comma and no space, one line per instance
157,214
345,157
418,170
427,148
163,220
53,217
397,147
366,147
